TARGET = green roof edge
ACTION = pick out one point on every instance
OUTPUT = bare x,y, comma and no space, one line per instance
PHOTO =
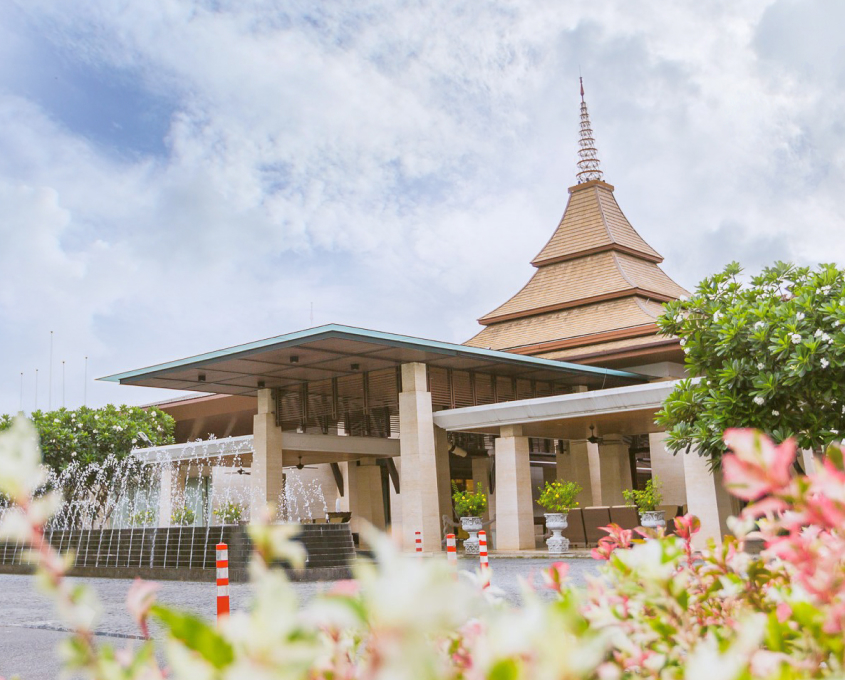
391,339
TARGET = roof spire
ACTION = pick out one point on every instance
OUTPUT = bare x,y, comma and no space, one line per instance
589,166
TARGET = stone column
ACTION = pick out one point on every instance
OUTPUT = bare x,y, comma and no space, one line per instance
707,499
669,469
362,494
267,472
444,476
396,506
165,496
809,462
514,505
615,470
481,475
574,466
421,471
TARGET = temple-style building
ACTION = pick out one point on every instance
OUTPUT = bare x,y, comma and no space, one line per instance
562,382
597,290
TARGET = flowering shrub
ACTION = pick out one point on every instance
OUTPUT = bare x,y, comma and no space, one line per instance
143,518
469,503
230,512
645,499
90,435
183,517
559,496
768,354
657,610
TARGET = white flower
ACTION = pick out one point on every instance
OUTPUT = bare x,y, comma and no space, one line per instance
96,417
717,316
818,333
759,324
683,342
799,315
759,401
825,363
775,413
56,420
834,431
761,365
20,460
796,338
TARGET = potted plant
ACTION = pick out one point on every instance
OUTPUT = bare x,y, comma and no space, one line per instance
647,501
230,512
558,498
183,517
470,506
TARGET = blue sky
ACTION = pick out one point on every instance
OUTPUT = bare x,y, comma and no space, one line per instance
180,176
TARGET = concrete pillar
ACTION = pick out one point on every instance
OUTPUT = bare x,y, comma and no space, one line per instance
444,476
267,472
514,505
809,462
707,499
615,471
481,475
362,495
165,496
396,506
421,476
574,466
669,469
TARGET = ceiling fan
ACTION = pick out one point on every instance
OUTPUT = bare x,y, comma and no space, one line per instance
301,466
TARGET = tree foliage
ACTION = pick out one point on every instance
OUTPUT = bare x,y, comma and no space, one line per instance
768,354
88,435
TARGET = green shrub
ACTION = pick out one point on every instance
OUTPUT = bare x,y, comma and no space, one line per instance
559,496
183,517
230,512
143,518
645,499
469,503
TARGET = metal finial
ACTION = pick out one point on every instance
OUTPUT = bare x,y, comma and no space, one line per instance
589,166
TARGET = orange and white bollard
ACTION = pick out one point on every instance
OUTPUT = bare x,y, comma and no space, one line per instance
418,539
482,550
222,581
451,551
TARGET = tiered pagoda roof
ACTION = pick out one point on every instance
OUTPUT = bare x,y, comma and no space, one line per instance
597,290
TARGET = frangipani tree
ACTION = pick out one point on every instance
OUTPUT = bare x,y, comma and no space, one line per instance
768,354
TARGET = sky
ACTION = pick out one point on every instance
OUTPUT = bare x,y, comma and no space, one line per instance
177,177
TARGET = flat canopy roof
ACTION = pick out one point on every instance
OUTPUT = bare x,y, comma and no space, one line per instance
333,351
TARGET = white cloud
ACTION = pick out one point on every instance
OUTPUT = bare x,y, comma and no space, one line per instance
397,164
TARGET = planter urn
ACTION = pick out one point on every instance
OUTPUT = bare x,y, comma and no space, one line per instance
653,519
557,522
472,525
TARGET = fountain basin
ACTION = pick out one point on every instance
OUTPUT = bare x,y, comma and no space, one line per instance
186,553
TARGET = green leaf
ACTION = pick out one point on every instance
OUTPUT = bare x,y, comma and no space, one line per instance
196,635
506,669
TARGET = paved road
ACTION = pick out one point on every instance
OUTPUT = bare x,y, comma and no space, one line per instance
30,628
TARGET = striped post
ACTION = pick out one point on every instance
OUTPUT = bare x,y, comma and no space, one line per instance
451,552
222,581
418,539
482,550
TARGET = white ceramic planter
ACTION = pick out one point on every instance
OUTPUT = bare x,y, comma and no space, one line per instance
557,522
472,525
652,519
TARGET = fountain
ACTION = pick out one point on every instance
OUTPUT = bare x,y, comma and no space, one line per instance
111,516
